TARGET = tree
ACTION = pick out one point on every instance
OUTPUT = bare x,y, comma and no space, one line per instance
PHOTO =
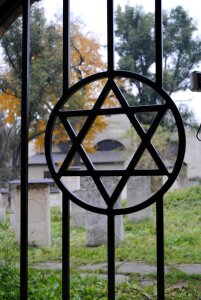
46,68
9,135
135,47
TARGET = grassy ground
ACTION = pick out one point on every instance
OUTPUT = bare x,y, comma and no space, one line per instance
182,236
182,245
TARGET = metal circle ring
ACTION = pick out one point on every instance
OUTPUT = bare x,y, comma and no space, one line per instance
181,142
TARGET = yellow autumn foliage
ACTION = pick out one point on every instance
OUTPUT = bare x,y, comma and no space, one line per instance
85,60
9,107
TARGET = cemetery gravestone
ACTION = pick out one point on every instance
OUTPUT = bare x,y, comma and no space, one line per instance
138,190
12,206
2,210
96,224
38,212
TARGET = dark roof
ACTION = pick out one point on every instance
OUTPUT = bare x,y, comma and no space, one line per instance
39,159
99,157
33,181
10,10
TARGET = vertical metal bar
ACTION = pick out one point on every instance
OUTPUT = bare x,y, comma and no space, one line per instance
65,200
159,43
24,152
111,256
66,46
159,204
65,248
110,35
160,250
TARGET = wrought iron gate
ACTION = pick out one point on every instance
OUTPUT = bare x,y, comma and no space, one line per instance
59,113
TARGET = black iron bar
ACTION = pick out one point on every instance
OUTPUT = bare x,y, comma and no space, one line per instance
152,172
131,170
65,248
65,199
110,36
114,111
160,250
24,152
158,43
111,255
66,46
159,204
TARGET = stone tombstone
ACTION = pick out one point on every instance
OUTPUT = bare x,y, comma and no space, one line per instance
96,224
2,210
183,176
138,190
12,206
38,212
72,183
5,194
78,214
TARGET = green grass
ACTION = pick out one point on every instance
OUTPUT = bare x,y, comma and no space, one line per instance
183,226
46,284
182,212
182,245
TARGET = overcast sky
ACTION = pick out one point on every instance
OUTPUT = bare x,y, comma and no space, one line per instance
93,13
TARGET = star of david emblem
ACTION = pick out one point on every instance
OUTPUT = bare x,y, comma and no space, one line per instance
77,146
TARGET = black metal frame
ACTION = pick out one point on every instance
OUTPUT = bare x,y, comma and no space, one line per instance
24,152
59,113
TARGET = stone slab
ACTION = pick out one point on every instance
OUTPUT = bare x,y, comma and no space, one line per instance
147,282
48,266
96,267
118,277
139,268
190,268
124,269
138,191
38,213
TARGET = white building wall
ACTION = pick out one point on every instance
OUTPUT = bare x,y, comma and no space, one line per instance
193,154
37,171
115,130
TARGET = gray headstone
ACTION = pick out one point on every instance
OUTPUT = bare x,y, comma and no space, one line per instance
1,200
12,207
78,214
38,213
96,224
139,190
2,210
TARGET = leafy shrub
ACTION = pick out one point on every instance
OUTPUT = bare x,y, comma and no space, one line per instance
9,273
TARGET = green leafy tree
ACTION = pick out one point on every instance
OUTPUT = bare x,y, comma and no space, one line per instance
136,50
